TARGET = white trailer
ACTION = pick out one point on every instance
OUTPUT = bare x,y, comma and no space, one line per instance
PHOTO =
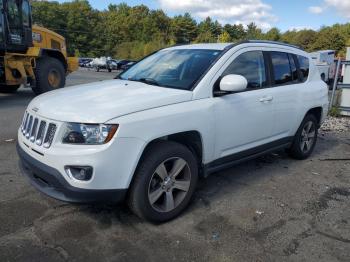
324,61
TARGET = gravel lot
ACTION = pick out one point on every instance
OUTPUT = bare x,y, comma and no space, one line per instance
269,209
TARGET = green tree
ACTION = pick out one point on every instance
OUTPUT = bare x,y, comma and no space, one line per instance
224,37
253,32
236,32
184,28
135,31
80,18
273,34
210,26
49,15
205,37
289,36
329,38
305,39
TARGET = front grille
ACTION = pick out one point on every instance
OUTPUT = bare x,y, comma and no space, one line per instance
37,130
50,133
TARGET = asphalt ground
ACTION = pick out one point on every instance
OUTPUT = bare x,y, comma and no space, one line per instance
270,209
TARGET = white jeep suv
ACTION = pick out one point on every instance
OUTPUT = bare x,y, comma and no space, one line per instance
179,113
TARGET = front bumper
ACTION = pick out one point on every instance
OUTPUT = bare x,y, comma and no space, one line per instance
51,182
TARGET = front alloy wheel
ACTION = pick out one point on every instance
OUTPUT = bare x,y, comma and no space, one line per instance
169,184
164,181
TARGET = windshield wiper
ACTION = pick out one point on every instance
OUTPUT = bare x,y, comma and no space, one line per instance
149,81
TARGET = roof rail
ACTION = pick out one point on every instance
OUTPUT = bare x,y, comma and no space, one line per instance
270,42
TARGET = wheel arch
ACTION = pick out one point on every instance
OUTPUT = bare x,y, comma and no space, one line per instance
54,54
317,112
190,139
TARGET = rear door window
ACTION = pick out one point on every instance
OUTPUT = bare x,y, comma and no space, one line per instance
281,68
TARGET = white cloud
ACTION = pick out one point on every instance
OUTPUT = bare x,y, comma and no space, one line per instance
343,6
225,11
315,9
299,28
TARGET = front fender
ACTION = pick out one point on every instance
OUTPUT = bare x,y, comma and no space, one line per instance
160,122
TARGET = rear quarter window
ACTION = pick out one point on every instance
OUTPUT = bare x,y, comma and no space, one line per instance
304,65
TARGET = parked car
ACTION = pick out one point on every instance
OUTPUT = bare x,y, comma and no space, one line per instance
183,112
112,65
89,64
127,66
105,63
83,62
122,63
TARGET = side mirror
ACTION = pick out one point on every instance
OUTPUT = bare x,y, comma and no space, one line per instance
233,83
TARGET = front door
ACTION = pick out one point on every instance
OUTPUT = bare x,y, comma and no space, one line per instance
245,120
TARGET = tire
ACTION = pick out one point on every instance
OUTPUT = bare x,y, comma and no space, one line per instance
303,145
9,89
109,70
147,183
50,75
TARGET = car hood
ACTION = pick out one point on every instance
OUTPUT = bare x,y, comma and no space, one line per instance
102,101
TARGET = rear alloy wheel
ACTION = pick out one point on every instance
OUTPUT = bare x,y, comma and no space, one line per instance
164,182
305,138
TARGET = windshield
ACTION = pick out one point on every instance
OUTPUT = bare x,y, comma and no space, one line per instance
179,68
14,22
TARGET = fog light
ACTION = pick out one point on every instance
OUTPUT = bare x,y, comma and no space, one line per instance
83,173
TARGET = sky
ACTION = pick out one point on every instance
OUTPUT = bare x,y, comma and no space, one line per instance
283,14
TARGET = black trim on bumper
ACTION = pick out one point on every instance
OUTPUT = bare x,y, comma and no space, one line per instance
50,182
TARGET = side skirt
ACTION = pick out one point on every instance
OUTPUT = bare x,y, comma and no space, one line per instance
237,158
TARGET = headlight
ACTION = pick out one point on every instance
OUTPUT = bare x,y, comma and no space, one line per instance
89,134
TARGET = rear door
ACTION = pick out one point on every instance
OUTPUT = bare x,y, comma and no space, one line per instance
285,91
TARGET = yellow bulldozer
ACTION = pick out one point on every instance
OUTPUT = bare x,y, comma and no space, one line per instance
30,55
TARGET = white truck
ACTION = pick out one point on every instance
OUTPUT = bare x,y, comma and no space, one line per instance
325,63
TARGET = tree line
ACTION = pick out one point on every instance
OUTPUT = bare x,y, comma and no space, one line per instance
123,31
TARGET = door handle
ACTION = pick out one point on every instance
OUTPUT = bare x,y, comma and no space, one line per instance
266,99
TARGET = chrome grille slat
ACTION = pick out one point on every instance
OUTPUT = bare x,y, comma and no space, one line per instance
29,127
50,133
24,120
34,129
25,124
37,130
41,132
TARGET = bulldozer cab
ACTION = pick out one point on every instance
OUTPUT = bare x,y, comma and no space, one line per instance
15,26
